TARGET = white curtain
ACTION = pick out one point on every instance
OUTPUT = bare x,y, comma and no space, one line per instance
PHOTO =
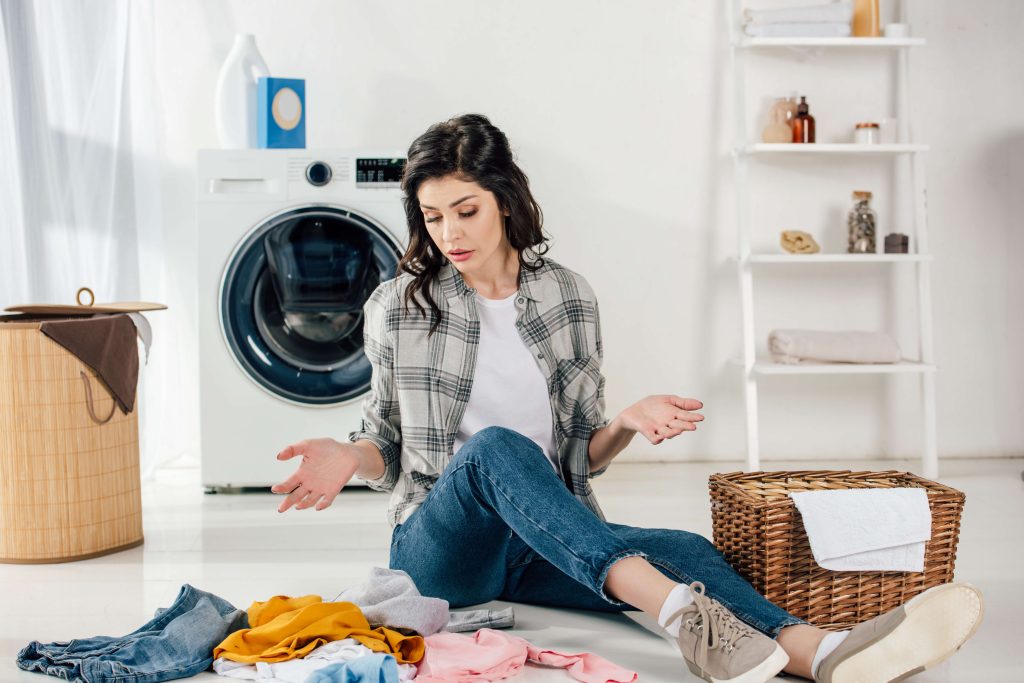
80,186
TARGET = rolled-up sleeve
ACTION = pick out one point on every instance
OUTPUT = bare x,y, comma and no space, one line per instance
597,418
381,420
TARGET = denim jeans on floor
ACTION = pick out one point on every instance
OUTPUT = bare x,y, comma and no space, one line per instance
177,643
500,524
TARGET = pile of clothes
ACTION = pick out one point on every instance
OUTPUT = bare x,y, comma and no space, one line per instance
383,631
828,20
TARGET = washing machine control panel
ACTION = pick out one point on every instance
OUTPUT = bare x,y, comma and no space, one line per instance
378,172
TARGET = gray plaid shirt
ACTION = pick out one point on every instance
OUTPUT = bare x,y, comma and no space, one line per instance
421,385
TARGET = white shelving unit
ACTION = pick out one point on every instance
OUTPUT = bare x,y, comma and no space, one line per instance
747,151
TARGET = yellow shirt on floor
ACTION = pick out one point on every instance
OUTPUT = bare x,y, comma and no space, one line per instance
284,628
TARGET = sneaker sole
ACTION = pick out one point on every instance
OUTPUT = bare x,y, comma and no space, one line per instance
763,672
936,624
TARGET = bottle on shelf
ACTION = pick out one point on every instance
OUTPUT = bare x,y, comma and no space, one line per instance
803,124
861,222
865,19
778,129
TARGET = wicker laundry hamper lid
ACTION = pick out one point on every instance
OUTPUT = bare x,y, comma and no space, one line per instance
86,308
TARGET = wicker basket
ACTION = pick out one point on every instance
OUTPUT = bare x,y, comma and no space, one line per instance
759,530
69,475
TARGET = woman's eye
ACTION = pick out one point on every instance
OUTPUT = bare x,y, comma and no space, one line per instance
461,215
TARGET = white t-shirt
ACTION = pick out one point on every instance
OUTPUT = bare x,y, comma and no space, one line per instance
509,389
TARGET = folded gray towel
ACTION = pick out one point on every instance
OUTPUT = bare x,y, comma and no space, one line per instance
390,598
797,346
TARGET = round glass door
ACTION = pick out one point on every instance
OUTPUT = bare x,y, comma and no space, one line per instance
291,302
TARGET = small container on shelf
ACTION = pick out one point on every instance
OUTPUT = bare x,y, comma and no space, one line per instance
861,222
866,22
897,243
867,133
778,129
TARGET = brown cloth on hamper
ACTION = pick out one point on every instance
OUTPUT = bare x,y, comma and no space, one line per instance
106,344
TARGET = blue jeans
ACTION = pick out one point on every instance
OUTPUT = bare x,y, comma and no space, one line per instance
177,643
500,524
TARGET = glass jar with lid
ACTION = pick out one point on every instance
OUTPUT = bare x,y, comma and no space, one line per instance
867,133
861,222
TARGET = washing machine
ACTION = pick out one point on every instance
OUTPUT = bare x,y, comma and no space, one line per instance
291,243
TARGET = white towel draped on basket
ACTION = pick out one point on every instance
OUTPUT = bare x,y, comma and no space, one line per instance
867,529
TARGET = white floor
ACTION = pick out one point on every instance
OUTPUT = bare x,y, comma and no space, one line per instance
240,548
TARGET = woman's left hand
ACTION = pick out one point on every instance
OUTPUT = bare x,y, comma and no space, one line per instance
662,417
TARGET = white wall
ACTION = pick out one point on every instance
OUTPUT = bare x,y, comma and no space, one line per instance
621,116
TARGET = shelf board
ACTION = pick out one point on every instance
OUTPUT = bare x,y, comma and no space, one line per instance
751,42
830,148
839,258
767,367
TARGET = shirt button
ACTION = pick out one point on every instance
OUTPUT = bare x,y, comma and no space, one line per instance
540,355
520,300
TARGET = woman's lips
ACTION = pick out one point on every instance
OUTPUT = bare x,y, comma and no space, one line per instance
460,255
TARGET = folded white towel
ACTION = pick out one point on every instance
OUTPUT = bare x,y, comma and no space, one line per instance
833,11
867,529
798,30
797,346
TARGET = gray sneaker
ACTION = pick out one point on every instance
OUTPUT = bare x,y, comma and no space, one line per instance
907,640
720,648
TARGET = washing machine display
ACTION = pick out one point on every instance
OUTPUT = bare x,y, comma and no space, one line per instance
291,302
379,172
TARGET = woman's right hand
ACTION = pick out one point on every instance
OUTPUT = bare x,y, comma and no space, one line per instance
327,466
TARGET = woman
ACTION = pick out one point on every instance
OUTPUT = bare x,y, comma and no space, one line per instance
486,422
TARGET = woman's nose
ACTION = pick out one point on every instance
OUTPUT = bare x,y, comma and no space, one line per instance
450,231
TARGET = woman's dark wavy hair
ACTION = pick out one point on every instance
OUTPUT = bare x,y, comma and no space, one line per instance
473,149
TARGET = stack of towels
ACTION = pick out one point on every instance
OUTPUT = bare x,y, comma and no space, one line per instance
830,20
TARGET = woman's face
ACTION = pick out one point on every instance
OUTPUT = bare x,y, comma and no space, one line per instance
465,223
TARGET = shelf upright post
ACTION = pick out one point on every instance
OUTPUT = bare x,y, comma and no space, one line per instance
743,263
926,353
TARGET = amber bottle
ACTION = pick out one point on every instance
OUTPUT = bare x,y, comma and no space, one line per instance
803,124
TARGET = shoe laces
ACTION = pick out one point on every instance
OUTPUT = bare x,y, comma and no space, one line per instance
715,626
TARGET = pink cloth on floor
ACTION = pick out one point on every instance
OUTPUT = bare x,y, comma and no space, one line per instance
490,655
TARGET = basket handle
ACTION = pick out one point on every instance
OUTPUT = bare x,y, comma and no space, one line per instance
88,401
81,291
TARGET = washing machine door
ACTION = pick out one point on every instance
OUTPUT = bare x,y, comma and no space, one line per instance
291,302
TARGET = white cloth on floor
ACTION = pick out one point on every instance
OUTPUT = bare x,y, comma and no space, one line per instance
827,12
822,29
867,529
797,346
298,670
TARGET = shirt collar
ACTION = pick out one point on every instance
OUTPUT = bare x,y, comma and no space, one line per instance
454,286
